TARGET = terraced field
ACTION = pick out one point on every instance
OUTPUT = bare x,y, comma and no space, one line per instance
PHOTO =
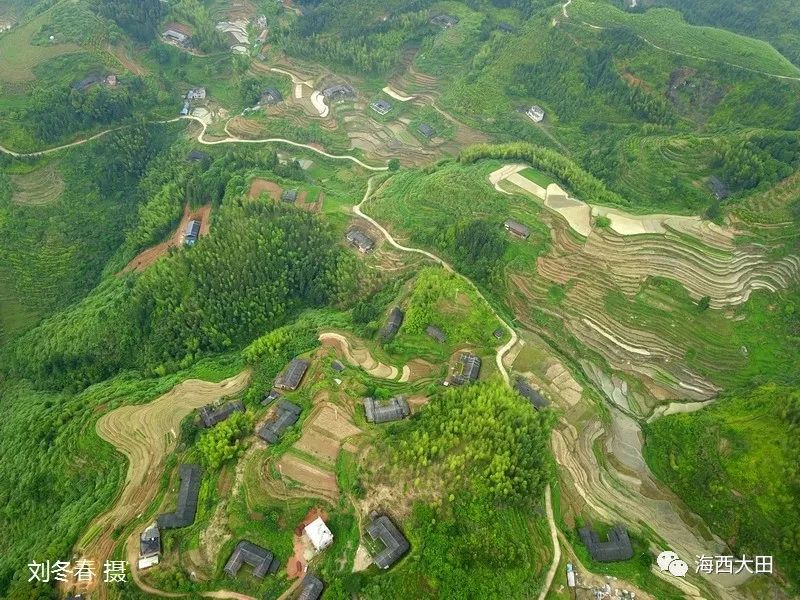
145,434
38,188
630,291
665,29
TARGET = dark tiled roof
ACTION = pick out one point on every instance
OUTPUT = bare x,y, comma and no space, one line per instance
210,415
86,83
381,528
381,106
271,96
289,195
393,323
445,20
618,547
292,375
312,588
719,189
337,366
383,412
506,27
286,415
187,500
196,156
470,369
425,130
359,239
150,542
192,229
498,333
247,553
526,391
517,228
338,92
436,333
271,397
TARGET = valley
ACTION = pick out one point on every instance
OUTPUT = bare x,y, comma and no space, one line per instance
597,299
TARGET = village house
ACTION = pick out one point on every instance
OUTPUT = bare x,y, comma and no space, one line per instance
292,375
247,553
289,196
528,392
360,240
210,415
271,397
498,333
426,130
311,588
393,323
285,416
318,534
271,96
186,108
617,548
383,412
517,228
436,333
187,500
86,83
178,34
536,113
149,547
338,93
466,371
445,21
381,107
196,94
192,232
395,544
718,188
505,27
196,156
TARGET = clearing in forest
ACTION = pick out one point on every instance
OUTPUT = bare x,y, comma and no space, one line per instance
39,187
261,186
145,434
20,56
147,257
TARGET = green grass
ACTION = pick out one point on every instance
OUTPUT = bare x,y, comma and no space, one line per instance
20,56
666,29
537,177
734,463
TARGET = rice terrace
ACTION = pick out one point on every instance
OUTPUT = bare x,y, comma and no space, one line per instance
434,299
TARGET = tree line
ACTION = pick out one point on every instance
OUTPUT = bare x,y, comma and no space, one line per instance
264,263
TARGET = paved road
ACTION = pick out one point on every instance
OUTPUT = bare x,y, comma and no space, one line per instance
201,139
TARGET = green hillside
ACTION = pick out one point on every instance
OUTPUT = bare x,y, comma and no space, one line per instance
665,29
633,257
776,22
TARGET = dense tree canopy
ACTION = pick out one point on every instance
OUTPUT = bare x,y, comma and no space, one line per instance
483,438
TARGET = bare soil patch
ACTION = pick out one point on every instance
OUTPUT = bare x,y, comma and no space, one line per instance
316,481
261,186
147,257
317,444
